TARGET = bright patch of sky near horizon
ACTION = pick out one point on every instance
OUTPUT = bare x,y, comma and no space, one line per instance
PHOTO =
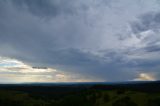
14,71
91,40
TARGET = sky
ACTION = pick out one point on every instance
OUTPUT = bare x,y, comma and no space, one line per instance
79,40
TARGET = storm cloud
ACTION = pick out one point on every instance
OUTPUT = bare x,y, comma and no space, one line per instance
101,39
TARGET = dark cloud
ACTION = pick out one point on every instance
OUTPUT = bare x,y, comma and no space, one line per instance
52,8
148,21
153,48
47,8
75,36
147,30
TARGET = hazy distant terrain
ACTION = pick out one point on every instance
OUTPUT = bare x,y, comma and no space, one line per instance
122,94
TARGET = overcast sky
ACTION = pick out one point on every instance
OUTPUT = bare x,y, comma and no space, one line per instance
79,40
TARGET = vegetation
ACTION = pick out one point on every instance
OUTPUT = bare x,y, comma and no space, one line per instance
89,97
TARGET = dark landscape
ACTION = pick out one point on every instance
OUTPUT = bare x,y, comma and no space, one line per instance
81,94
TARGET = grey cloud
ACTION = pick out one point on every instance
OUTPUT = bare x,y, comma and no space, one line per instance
148,21
43,8
70,40
52,8
147,29
153,48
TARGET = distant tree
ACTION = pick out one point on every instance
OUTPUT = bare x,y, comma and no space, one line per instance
119,92
126,101
106,98
154,102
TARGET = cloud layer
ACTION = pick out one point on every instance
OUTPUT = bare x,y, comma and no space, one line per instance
97,39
